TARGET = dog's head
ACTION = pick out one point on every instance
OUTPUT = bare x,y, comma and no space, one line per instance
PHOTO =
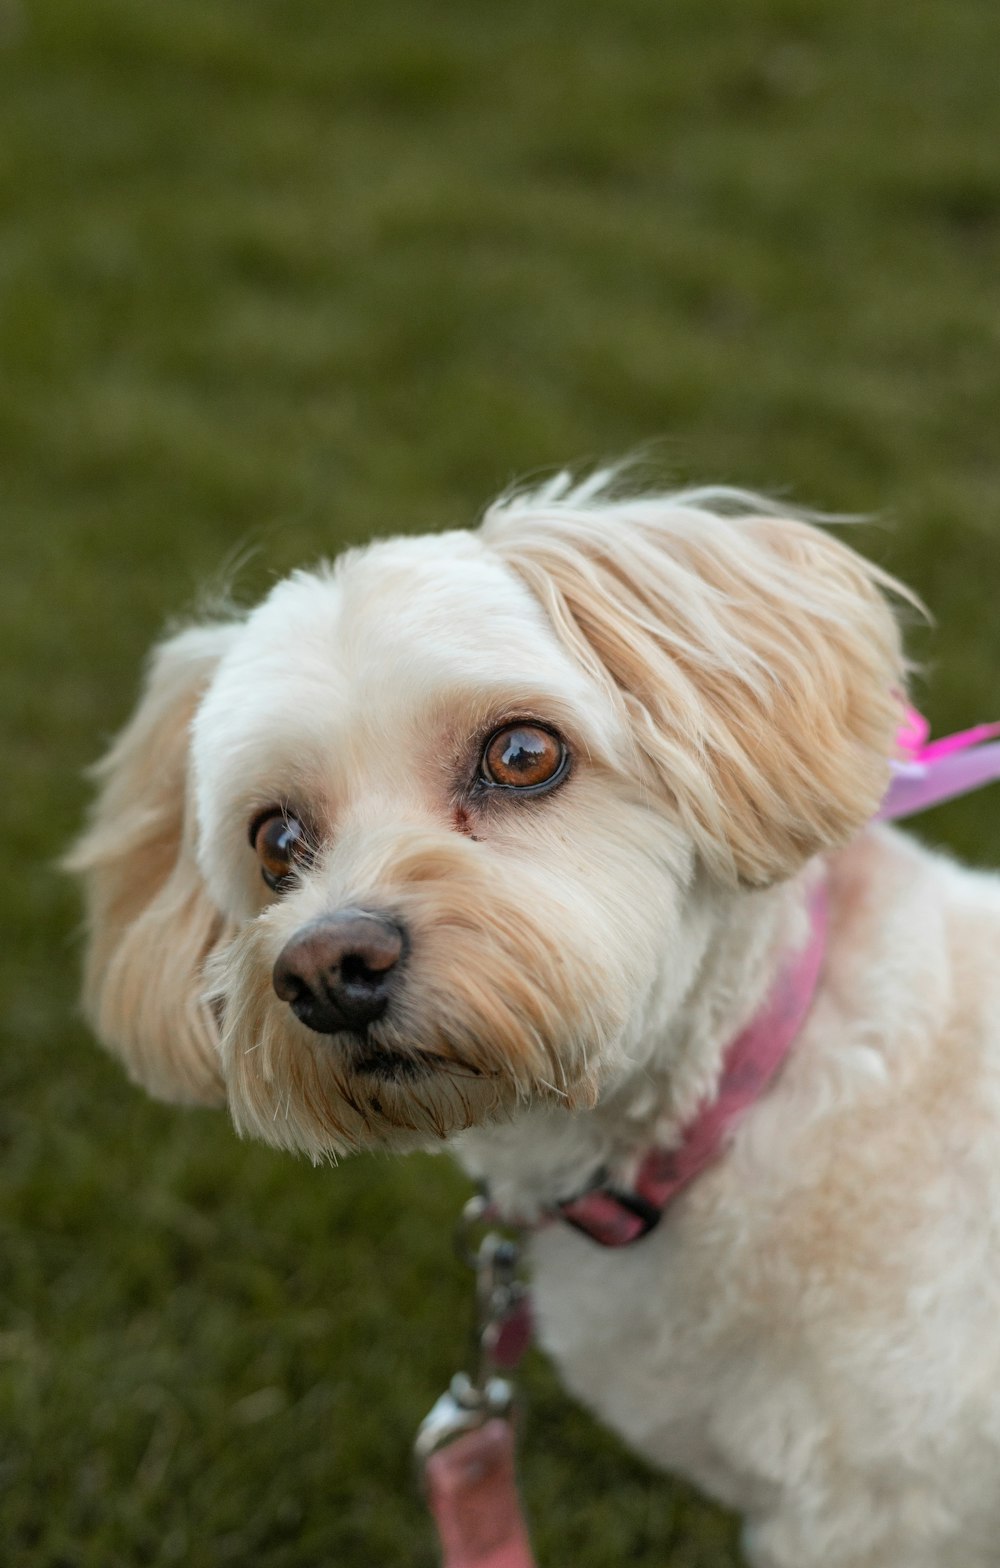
420,838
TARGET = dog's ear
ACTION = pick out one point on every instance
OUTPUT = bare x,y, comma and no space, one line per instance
757,657
150,921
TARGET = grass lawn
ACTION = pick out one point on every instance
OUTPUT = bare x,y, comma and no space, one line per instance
278,274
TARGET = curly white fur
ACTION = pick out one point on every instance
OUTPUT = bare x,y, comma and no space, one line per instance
813,1332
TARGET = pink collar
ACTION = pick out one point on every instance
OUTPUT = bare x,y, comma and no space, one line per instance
615,1218
931,772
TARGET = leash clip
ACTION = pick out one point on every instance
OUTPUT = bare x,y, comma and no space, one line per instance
502,1333
462,1408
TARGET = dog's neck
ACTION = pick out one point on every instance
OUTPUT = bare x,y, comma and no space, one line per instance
671,1063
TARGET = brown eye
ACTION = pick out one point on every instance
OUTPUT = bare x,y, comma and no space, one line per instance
281,844
524,756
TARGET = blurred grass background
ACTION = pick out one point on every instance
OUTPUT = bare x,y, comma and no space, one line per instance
277,274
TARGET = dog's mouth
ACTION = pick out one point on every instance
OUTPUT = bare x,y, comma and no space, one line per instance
389,1066
369,1059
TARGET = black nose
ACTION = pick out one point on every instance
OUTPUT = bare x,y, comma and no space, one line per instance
336,973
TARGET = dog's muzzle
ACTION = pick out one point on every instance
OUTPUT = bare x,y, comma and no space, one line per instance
337,973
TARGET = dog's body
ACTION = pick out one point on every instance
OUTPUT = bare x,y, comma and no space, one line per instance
540,809
812,1335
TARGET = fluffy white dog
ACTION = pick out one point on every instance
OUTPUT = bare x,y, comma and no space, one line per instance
501,837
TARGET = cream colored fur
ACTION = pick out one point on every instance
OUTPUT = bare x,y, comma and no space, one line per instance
813,1332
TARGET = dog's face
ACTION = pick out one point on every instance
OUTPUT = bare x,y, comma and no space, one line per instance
420,815
430,834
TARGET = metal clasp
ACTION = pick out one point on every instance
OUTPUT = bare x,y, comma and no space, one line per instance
461,1408
471,1401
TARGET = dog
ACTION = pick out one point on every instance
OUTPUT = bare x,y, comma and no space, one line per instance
499,838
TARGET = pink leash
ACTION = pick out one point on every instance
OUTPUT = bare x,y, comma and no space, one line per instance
466,1445
472,1492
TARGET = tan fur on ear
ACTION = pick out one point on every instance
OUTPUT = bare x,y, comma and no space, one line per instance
150,923
757,658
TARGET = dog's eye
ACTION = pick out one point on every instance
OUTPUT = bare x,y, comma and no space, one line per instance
524,756
281,844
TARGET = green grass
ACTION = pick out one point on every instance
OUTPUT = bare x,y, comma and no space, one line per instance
284,273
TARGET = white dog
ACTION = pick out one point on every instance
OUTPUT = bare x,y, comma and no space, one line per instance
502,838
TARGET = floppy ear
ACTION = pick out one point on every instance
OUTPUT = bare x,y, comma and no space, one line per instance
757,658
150,922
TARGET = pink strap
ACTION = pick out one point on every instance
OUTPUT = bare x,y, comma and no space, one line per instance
615,1218
751,1063
473,1497
961,741
940,770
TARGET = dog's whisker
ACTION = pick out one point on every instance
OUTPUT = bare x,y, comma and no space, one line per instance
551,1086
